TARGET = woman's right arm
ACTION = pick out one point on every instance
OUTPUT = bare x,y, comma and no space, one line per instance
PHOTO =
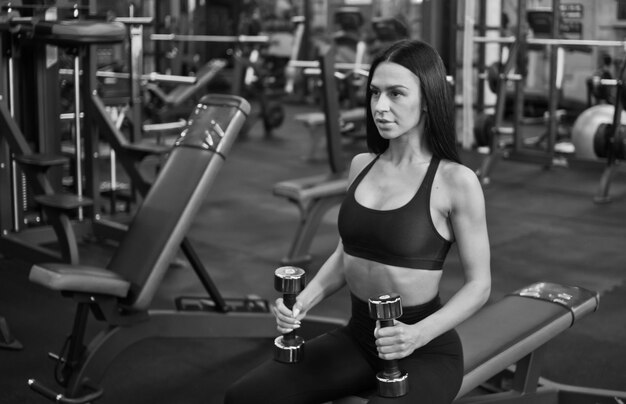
329,279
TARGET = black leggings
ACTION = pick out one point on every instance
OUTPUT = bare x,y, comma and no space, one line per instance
345,362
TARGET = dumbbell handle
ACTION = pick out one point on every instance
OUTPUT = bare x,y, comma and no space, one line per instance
289,299
391,368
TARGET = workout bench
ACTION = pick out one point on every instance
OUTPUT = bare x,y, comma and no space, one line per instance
315,195
120,294
506,340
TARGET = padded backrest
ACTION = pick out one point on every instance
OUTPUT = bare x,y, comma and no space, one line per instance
164,217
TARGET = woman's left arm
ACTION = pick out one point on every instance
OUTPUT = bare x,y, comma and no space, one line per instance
468,219
469,223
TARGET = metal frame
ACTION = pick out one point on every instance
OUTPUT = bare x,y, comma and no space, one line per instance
15,240
549,157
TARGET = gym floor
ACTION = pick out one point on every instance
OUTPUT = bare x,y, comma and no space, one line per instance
543,227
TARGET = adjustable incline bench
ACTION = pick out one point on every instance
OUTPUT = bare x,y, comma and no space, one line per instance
315,195
120,295
506,341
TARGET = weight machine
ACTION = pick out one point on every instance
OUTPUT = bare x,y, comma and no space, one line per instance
489,130
62,211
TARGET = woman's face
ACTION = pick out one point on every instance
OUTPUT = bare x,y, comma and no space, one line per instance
396,101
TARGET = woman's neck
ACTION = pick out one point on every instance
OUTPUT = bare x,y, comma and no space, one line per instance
410,148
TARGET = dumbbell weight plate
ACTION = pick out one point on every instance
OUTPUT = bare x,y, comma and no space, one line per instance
483,129
589,126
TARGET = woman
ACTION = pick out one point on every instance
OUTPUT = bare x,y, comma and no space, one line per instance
409,199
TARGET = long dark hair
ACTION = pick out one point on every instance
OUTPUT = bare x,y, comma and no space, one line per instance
439,129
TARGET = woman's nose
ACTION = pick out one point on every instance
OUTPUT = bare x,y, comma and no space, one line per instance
382,104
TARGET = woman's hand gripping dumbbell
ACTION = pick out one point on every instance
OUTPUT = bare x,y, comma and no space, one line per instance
289,347
392,381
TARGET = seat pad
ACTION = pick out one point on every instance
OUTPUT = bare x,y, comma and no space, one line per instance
314,187
502,333
79,278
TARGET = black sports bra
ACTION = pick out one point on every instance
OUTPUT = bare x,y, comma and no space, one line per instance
405,236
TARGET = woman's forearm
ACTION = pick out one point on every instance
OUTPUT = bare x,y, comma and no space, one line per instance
462,305
328,280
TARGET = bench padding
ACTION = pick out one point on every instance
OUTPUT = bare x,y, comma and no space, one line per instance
160,224
305,189
503,333
80,279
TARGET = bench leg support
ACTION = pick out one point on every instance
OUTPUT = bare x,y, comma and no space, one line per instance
6,338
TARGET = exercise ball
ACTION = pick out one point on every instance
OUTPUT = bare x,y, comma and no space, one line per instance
586,126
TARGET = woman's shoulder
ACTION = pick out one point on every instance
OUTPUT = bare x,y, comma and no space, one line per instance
362,159
457,176
359,162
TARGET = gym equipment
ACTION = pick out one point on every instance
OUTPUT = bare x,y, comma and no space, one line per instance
289,347
351,125
488,127
290,71
315,64
348,41
599,132
600,84
78,36
592,130
255,39
315,195
350,78
162,106
58,208
552,155
7,341
387,30
120,295
392,382
248,75
599,89
252,79
504,346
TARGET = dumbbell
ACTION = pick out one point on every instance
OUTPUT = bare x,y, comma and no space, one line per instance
392,382
289,347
